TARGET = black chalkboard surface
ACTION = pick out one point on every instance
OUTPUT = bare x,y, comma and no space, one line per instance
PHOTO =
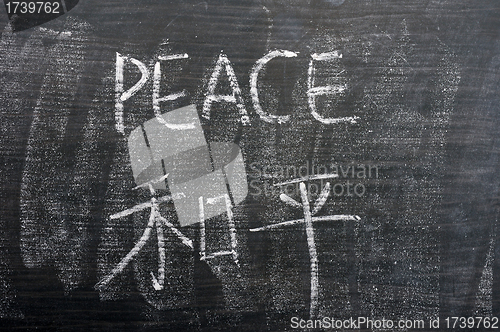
240,165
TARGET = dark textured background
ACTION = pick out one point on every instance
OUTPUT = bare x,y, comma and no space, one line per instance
422,76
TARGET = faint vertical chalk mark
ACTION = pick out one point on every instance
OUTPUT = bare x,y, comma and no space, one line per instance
202,228
313,255
269,27
232,228
484,300
63,3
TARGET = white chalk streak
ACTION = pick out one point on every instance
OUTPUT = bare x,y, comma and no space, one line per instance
335,217
202,228
211,88
170,97
158,284
233,82
321,199
345,119
173,57
232,228
217,254
145,75
214,200
185,240
254,76
134,209
269,27
144,206
308,178
219,98
326,90
290,201
326,56
313,255
118,91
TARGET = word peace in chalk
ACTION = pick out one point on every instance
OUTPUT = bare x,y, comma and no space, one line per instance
235,97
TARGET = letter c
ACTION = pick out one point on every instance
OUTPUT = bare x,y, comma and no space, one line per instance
253,85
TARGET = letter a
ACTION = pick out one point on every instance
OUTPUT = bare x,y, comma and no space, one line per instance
223,62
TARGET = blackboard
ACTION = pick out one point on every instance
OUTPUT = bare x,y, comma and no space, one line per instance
250,165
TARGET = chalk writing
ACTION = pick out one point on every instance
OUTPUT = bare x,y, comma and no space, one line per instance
313,91
308,221
236,98
156,93
232,230
254,90
155,220
120,95
223,62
